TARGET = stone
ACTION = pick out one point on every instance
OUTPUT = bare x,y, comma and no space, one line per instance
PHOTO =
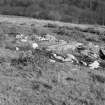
34,45
94,65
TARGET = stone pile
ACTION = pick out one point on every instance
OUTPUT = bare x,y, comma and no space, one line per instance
88,55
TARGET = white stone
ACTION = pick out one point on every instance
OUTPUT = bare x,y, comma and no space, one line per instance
17,49
23,40
84,63
58,57
70,57
22,35
42,39
18,36
52,61
79,44
94,65
34,45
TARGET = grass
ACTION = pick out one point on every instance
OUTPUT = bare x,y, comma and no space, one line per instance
28,78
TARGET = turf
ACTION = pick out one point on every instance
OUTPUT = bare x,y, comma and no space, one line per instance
28,78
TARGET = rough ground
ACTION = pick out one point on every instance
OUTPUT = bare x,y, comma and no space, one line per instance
28,77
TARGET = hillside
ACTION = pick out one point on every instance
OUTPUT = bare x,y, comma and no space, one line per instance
51,63
75,11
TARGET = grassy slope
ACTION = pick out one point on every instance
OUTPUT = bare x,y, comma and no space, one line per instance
40,82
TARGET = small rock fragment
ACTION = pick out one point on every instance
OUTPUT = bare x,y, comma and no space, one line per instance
34,45
17,49
19,36
70,57
83,63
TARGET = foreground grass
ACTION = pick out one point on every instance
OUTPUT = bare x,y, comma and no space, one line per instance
28,78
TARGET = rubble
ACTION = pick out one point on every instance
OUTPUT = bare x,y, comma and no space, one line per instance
87,54
40,38
25,39
63,46
84,60
46,37
61,58
58,57
19,36
22,38
23,42
84,54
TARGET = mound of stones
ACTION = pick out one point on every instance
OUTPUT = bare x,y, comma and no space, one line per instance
89,54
